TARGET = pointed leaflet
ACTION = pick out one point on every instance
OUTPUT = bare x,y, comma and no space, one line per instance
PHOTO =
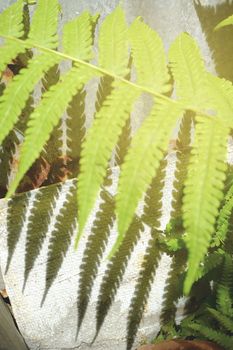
203,190
11,24
77,37
149,57
11,20
142,161
98,146
19,90
23,84
113,44
226,22
44,24
46,116
188,70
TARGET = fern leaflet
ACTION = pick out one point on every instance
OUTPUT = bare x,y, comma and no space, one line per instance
44,24
113,44
226,22
149,57
46,116
142,161
203,190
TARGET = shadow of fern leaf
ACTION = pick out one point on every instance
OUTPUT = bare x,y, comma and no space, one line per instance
38,225
61,237
115,271
123,143
7,159
75,124
183,150
220,42
94,251
142,288
16,214
174,288
153,198
104,89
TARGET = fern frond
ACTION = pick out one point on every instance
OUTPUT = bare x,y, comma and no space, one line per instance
226,22
224,289
77,37
221,94
113,43
223,218
8,52
211,262
43,29
11,20
218,337
149,57
98,147
188,70
223,320
203,190
19,90
46,116
142,161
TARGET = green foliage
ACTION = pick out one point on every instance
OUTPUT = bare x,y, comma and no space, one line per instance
226,22
209,98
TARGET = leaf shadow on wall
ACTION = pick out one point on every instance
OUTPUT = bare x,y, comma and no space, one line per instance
220,42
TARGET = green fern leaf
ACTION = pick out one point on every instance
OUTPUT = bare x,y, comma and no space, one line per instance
224,321
113,43
44,24
142,161
98,147
11,24
218,337
224,289
223,218
77,37
226,22
211,262
149,57
188,70
8,52
221,94
203,190
46,116
11,20
19,90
